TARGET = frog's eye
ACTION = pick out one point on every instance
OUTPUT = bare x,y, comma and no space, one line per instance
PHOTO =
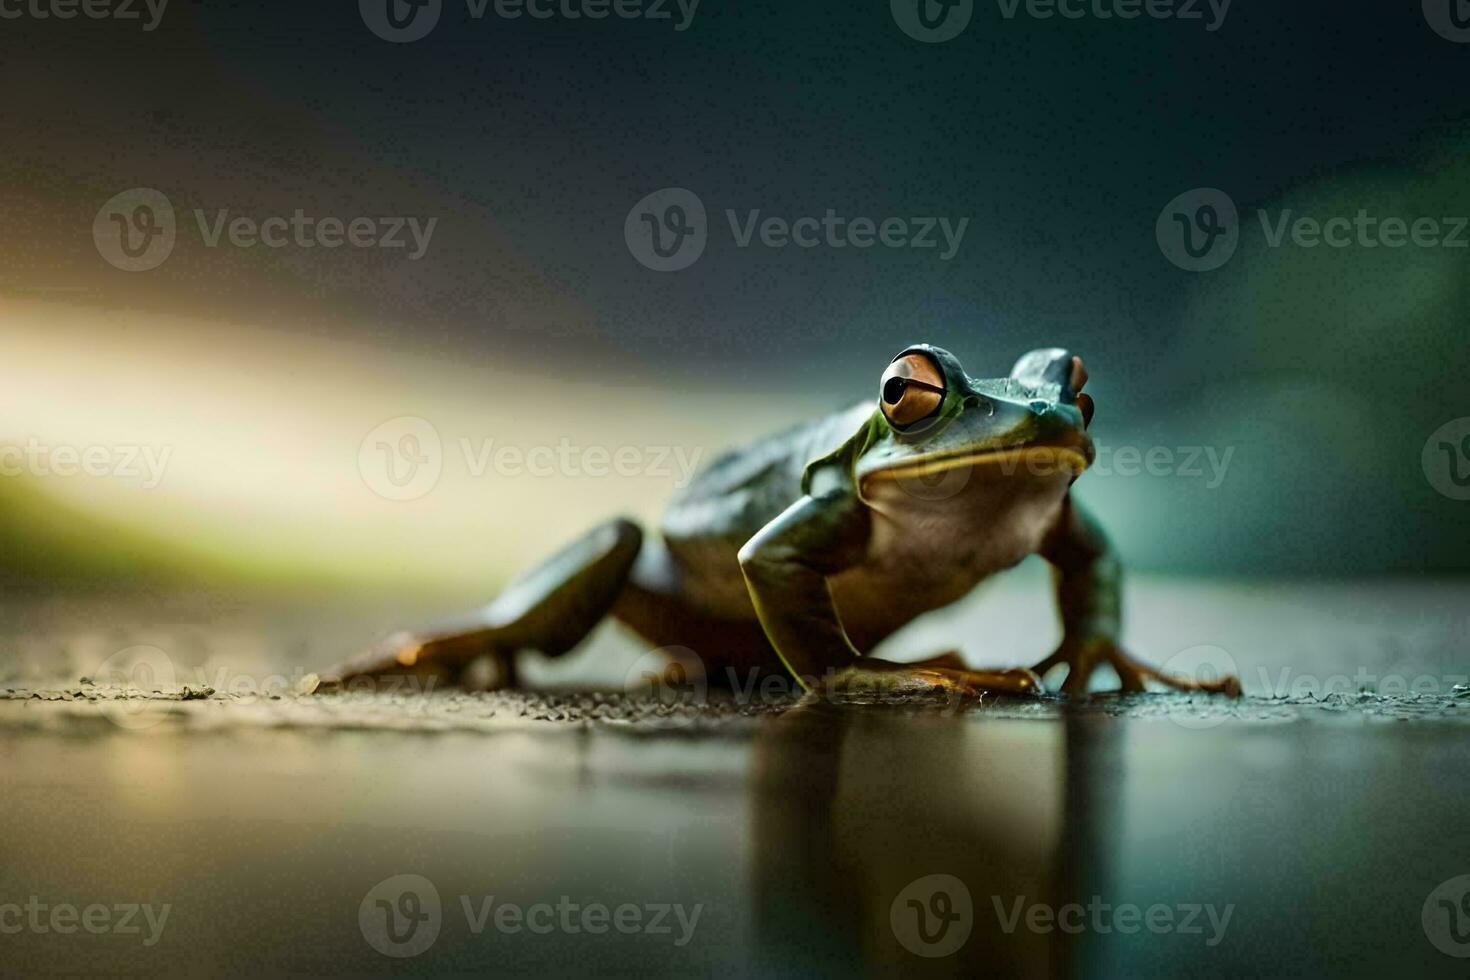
912,389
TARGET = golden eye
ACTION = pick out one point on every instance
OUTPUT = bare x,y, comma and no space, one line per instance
911,389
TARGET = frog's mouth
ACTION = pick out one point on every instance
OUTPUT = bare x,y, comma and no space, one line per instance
1068,457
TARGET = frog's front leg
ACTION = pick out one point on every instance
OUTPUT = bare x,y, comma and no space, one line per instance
1089,589
786,567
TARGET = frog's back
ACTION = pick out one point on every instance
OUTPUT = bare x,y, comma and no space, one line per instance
737,494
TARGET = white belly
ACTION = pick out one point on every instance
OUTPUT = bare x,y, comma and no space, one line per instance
934,541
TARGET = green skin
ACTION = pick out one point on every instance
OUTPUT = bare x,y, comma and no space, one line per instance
798,553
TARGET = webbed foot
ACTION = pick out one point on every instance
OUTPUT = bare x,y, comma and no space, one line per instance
1083,657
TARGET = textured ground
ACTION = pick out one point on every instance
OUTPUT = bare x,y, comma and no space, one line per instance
206,709
1325,810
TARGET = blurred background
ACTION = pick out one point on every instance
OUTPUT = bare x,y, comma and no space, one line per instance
320,319
254,413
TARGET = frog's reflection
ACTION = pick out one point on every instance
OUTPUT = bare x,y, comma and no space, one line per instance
857,807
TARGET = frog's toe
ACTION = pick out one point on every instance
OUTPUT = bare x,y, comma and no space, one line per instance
425,661
977,683
1134,673
1016,680
1079,677
1083,659
1029,681
1130,677
1228,685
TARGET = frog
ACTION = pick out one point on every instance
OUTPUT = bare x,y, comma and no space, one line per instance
796,555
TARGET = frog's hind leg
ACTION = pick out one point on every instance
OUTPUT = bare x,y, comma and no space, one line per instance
549,609
661,605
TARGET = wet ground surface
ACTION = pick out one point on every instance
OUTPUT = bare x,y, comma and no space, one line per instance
1315,827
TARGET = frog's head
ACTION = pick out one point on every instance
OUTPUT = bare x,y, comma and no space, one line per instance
933,417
